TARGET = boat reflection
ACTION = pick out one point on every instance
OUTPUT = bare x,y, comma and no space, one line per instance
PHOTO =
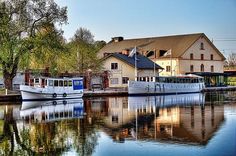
45,111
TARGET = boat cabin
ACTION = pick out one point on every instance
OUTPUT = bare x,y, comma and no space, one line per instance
179,79
174,79
76,83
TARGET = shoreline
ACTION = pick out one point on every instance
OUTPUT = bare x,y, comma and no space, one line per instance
109,92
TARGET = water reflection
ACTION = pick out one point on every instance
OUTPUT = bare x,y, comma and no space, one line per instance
78,126
181,118
41,111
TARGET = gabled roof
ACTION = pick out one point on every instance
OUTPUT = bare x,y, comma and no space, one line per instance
177,43
142,61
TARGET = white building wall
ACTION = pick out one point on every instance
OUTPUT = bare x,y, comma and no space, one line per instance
195,49
124,70
182,65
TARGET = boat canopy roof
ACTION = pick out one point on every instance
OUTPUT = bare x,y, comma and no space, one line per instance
183,76
59,78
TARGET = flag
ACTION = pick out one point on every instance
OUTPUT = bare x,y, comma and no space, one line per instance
167,53
133,51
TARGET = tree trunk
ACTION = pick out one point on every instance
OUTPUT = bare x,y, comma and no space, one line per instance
8,80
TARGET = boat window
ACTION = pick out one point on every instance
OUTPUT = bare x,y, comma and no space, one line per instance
200,79
173,80
70,113
65,83
61,83
184,80
56,114
61,114
66,114
50,82
55,83
70,83
162,79
188,80
36,80
51,115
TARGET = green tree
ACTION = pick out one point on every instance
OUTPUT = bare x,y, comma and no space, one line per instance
84,51
22,23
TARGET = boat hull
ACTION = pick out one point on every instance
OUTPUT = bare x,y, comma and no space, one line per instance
30,96
37,94
141,87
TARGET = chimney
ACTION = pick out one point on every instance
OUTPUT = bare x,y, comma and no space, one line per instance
117,39
125,52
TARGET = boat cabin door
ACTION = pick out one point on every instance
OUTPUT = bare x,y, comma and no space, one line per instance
78,84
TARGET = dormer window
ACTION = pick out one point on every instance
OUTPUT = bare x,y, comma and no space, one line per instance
150,54
202,46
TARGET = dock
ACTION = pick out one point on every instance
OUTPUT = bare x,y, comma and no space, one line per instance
16,97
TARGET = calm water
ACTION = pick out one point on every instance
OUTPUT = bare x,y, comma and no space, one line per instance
192,124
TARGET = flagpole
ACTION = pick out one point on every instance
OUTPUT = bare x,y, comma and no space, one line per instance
135,64
154,78
170,62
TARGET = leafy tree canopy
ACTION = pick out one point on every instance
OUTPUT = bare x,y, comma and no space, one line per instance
24,29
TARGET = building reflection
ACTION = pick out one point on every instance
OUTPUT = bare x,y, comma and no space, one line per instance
180,118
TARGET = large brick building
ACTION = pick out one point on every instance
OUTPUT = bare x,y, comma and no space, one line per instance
178,54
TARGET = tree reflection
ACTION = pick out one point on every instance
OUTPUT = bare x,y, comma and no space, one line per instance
87,137
10,136
30,137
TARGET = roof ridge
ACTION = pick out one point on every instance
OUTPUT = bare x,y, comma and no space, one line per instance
177,35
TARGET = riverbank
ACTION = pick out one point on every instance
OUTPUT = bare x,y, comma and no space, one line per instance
16,96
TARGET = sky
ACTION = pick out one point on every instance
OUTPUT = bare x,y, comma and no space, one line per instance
152,18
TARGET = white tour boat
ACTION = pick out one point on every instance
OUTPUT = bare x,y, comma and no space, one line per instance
52,89
168,85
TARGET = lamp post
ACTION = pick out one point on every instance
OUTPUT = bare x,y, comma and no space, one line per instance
89,71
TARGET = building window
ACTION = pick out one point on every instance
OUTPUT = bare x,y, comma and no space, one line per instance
212,68
191,68
114,66
114,118
202,56
114,80
167,68
202,46
202,68
212,57
191,56
125,80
